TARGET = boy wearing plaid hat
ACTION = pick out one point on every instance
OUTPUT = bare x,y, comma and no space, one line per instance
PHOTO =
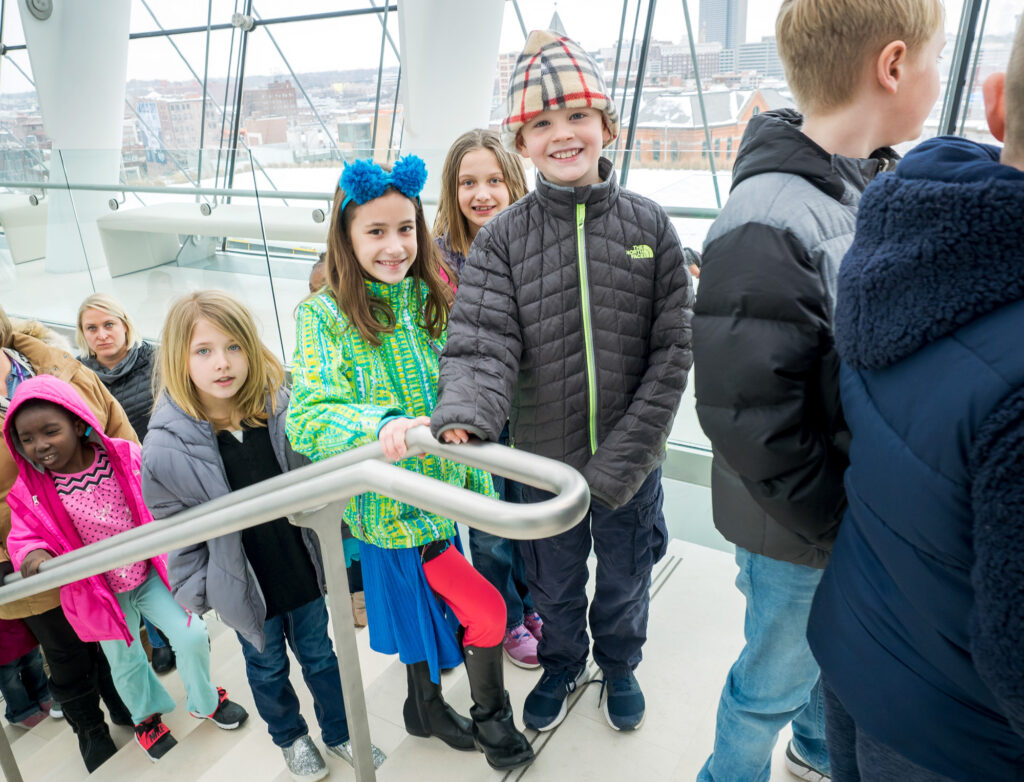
573,318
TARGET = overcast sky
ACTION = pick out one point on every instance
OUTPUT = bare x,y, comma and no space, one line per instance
354,42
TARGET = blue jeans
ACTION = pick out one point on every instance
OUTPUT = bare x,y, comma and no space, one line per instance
23,685
500,561
775,680
136,683
151,633
305,631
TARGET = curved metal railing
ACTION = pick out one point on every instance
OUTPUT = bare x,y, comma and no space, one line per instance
315,496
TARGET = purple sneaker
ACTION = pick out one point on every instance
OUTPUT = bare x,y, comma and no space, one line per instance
534,624
521,647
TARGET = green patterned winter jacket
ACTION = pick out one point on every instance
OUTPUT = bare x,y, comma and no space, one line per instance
343,388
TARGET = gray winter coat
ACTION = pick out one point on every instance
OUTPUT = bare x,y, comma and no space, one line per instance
767,381
181,468
130,383
573,312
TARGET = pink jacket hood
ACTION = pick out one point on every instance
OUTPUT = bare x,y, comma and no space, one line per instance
39,520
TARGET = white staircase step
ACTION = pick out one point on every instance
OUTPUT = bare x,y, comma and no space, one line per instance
694,635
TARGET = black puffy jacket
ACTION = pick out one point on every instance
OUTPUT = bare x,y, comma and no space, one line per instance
130,383
573,312
766,374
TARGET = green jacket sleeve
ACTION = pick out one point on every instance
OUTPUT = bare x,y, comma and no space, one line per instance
325,415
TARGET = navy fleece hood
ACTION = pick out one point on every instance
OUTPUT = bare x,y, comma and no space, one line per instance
939,244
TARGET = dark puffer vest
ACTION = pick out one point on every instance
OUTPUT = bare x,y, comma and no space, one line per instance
130,383
573,313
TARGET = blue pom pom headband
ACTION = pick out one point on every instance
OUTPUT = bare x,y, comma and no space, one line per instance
364,180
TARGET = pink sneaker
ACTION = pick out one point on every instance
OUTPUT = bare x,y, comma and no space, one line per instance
521,647
34,719
534,624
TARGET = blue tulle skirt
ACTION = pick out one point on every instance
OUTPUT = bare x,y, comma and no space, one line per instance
404,615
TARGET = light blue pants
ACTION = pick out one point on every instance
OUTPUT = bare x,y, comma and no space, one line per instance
775,681
138,686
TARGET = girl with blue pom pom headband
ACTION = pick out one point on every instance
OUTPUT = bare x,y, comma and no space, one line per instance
365,180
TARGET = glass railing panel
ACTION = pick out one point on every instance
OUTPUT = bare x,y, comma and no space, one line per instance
990,54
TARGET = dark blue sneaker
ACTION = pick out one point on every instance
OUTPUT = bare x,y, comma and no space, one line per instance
623,702
545,706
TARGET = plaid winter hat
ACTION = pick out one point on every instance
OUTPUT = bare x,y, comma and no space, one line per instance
554,72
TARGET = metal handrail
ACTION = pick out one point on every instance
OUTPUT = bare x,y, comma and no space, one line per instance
315,496
704,213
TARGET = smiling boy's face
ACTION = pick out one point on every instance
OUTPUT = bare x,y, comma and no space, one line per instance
565,145
52,438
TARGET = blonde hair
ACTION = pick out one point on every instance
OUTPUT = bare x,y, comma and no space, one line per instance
6,329
1014,97
104,302
449,219
824,44
228,314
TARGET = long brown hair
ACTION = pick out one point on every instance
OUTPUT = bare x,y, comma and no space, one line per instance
266,375
370,315
449,219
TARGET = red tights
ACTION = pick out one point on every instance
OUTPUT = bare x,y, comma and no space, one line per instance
478,605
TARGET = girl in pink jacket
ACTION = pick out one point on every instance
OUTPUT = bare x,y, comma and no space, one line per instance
77,486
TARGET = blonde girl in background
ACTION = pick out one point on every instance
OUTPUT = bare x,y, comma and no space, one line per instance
219,427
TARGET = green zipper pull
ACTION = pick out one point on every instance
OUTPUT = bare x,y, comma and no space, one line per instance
588,332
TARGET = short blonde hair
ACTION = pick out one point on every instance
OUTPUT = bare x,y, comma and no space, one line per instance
824,44
266,375
104,302
6,329
1014,97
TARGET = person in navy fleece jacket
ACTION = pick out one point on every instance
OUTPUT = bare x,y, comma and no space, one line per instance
918,624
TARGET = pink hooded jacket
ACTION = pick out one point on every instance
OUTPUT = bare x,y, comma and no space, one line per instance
39,520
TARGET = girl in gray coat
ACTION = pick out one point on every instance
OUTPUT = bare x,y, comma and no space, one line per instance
219,427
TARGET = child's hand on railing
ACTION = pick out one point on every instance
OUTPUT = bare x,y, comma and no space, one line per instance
392,436
31,563
455,436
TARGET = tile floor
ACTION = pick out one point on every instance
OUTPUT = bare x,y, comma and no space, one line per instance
695,633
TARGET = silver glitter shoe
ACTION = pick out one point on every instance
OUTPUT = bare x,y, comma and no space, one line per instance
304,761
344,751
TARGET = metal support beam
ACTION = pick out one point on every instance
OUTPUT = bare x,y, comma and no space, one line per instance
641,70
700,99
958,67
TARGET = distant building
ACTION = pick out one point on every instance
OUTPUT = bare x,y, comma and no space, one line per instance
676,60
174,124
724,21
277,99
762,57
670,130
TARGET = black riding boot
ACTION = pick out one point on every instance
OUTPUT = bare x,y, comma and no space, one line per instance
87,720
119,713
494,731
426,713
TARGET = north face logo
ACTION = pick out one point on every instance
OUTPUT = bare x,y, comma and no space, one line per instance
640,251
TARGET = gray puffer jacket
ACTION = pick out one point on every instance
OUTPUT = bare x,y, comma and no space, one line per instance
130,383
573,313
767,377
182,468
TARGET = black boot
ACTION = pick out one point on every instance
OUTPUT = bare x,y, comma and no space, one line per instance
426,713
494,731
119,713
86,719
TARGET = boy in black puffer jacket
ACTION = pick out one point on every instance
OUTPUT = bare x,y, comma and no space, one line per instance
573,313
